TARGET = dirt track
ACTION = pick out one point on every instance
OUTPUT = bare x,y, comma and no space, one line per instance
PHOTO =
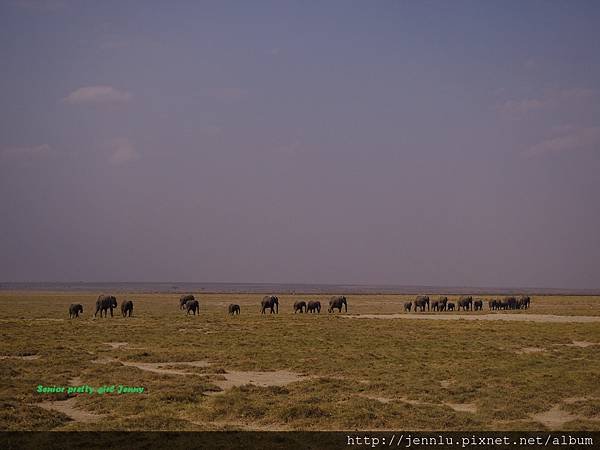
547,318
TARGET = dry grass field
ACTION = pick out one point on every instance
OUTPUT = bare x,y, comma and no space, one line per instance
297,371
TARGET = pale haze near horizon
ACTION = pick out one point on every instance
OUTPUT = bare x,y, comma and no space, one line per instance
342,142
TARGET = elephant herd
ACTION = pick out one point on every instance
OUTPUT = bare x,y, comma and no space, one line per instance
421,303
189,303
104,304
466,303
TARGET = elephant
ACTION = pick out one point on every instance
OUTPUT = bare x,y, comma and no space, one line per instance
127,308
271,302
478,305
192,305
233,309
299,306
510,302
420,303
465,302
439,304
450,306
442,301
185,298
337,302
524,301
74,310
104,303
313,306
407,306
502,304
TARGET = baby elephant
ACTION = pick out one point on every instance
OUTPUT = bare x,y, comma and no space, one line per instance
407,306
234,309
127,308
314,306
299,306
450,306
192,305
74,310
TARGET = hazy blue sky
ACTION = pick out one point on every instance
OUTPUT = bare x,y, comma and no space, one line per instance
443,143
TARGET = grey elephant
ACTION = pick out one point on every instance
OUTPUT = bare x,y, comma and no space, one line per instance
299,306
184,299
193,306
271,302
442,302
104,303
127,308
465,302
493,304
313,306
233,309
439,304
74,310
524,301
407,306
337,302
478,304
509,302
450,306
420,302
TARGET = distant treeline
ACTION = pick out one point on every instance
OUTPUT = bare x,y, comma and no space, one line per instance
282,288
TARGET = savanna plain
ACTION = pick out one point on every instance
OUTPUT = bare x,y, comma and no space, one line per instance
291,371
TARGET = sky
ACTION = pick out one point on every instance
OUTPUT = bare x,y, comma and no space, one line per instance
390,142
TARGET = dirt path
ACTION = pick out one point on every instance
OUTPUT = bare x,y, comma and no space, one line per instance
229,379
24,358
554,418
546,318
156,367
67,407
239,378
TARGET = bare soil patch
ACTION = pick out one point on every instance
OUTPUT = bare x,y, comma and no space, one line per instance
156,367
582,344
235,378
67,407
160,367
116,344
547,318
24,358
462,407
529,350
411,402
554,418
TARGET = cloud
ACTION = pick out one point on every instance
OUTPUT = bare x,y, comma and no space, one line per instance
97,94
571,139
551,98
122,151
35,151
